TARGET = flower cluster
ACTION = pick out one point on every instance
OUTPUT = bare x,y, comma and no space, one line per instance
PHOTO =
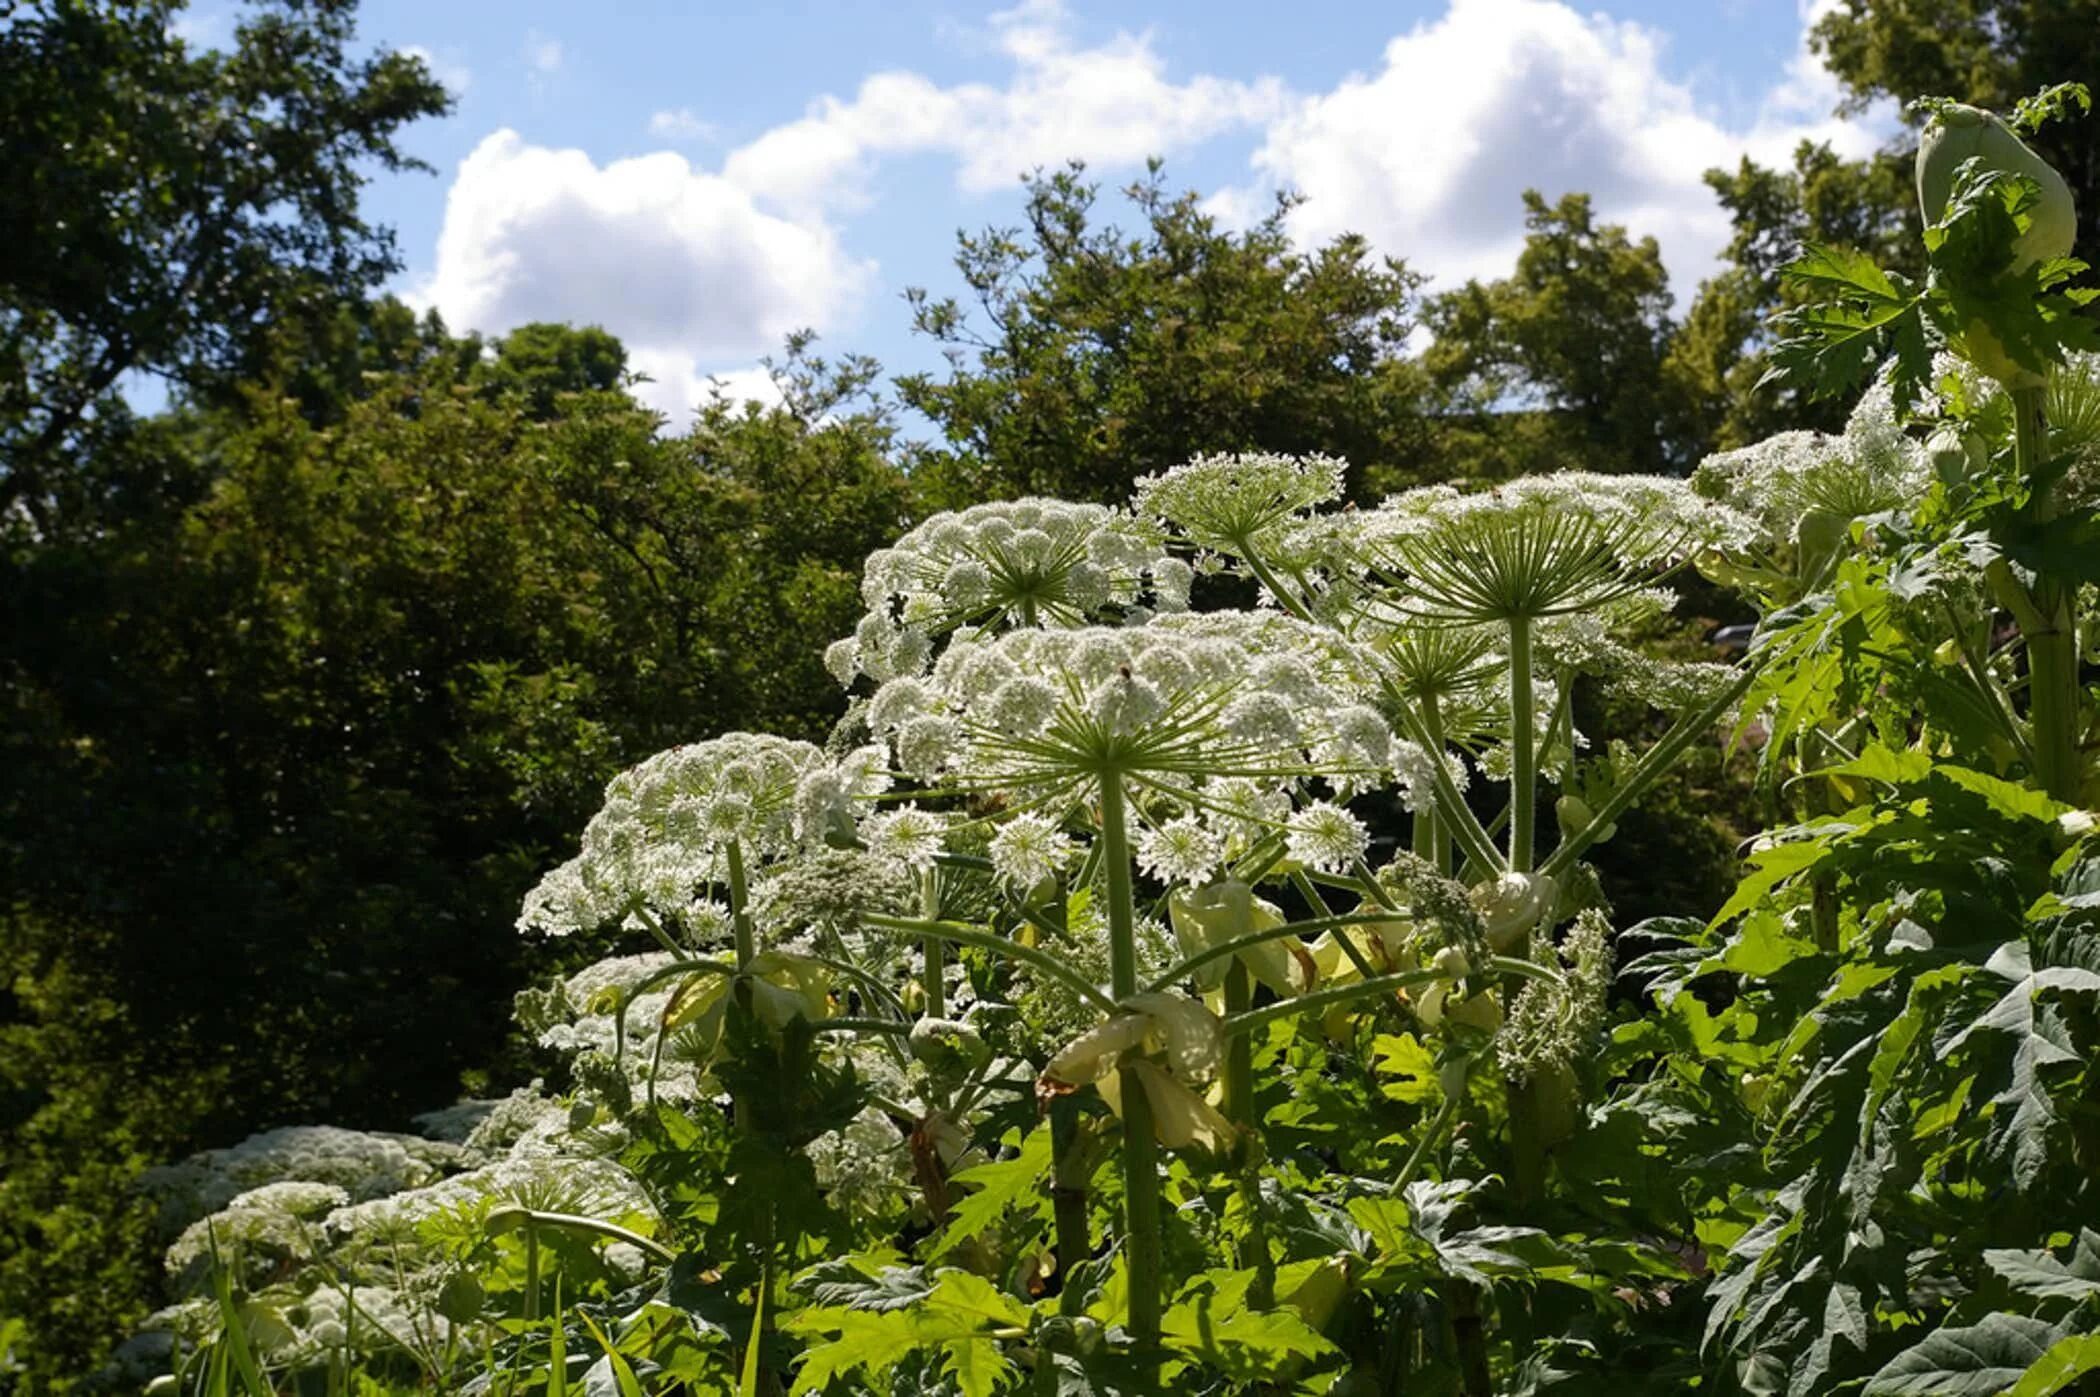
1235,503
1536,547
1024,562
364,1164
1796,484
1552,1024
1179,702
660,840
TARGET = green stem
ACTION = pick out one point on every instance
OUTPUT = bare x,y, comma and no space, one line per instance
1527,1145
1069,1171
1431,1133
746,933
1285,598
1141,1241
2052,647
1237,1080
504,1219
1523,759
740,909
1469,1337
1979,670
1456,819
998,945
1238,1075
1527,1171
935,979
1439,824
532,1273
1658,760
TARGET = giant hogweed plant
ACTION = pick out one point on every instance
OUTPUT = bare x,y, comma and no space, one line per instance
1072,1023
1065,1026
1875,1068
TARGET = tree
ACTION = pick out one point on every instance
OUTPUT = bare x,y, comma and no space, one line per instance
543,361
280,762
1560,364
165,208
1094,356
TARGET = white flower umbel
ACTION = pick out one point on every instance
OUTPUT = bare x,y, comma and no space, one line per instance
668,824
1022,562
1234,503
1180,851
1253,508
1522,554
1030,848
1540,546
1800,487
1097,718
1326,837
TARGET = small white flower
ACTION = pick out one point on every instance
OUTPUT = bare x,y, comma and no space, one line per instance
908,834
1264,719
927,744
1029,848
842,659
1127,704
1326,837
1023,707
1180,851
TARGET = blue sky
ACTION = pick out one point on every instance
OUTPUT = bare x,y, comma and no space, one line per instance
701,178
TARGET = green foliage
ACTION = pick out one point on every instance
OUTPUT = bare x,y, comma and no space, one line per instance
169,207
1718,358
359,688
1575,339
1097,356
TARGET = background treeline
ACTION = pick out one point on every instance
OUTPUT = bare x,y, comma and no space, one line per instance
306,677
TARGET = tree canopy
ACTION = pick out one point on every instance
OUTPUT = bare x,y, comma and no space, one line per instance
1089,355
165,207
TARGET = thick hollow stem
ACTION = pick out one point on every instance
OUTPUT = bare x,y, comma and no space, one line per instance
1523,773
1456,820
1140,1149
740,909
1285,597
1239,1053
1469,1337
2052,647
1527,1145
1439,851
935,980
1238,1083
1068,1185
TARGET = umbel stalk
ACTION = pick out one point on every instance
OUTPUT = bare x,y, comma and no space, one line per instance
1141,1237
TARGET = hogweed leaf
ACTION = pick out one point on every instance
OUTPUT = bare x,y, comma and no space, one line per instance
1978,1360
2068,1359
1004,1184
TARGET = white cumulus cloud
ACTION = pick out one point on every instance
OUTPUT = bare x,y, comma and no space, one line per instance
681,264
681,124
1429,155
678,387
1111,104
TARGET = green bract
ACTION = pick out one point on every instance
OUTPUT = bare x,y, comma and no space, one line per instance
1955,134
